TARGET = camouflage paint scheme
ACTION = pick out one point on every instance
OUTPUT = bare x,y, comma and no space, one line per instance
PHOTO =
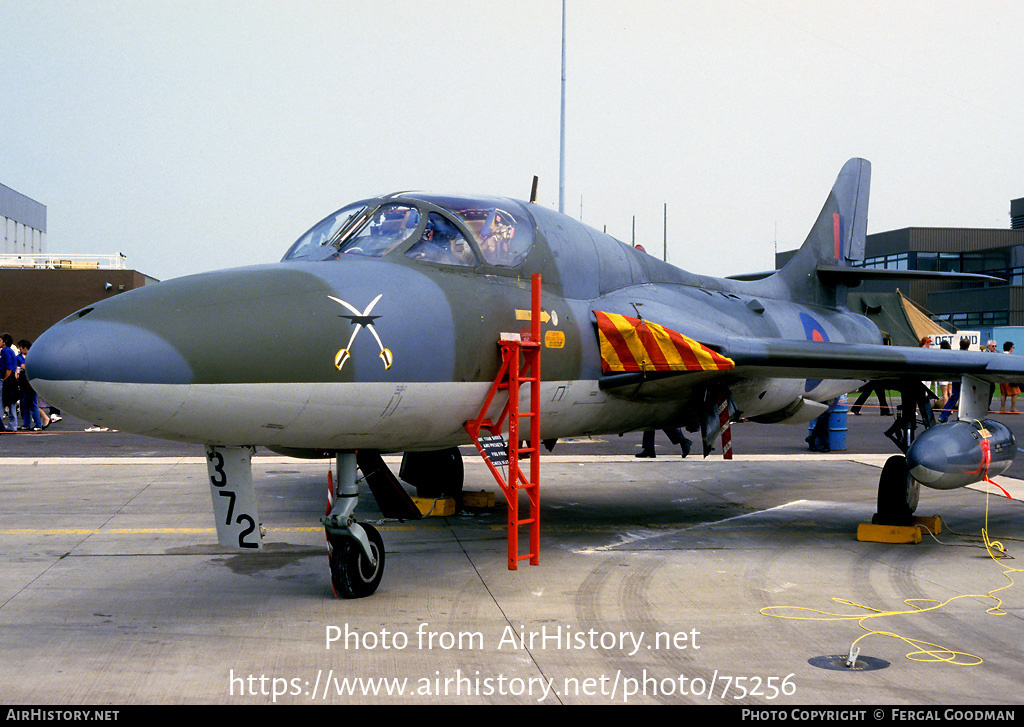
248,356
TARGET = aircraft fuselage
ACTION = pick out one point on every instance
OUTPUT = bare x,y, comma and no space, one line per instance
395,352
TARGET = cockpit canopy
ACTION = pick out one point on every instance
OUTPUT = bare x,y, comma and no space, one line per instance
443,230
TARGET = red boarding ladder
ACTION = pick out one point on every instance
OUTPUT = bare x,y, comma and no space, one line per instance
520,364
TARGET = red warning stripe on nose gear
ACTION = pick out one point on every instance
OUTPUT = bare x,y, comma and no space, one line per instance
723,420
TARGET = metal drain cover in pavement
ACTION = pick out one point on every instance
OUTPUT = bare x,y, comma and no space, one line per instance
838,663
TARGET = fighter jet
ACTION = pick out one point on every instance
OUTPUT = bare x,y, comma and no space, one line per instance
378,332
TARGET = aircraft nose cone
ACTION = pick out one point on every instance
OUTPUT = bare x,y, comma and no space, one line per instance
53,357
105,350
80,349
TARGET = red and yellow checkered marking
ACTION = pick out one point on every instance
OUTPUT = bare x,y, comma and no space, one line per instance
631,344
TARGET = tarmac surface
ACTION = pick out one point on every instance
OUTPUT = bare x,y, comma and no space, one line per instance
664,581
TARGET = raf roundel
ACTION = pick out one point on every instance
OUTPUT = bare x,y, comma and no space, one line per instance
813,331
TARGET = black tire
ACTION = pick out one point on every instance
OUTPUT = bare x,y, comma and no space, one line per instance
898,492
351,573
435,474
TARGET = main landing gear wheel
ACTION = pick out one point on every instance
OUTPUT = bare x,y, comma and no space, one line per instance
352,573
435,474
898,493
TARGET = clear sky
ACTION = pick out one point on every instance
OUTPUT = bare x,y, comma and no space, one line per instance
192,136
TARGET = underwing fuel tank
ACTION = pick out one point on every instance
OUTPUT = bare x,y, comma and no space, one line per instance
956,454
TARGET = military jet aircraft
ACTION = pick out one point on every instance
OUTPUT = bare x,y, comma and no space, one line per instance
378,332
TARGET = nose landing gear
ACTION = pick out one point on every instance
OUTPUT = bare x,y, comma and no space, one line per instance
355,550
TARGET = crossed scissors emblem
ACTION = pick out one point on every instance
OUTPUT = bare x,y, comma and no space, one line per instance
361,320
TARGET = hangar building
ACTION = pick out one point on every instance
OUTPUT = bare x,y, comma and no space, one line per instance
22,223
40,289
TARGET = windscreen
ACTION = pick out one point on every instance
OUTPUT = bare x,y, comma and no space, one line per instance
359,229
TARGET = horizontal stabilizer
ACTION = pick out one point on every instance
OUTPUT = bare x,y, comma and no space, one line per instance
851,277
752,276
835,274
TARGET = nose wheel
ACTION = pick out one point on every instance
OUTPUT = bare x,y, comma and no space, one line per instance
353,574
355,551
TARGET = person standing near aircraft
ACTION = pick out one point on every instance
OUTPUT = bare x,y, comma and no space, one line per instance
818,439
926,342
1008,390
30,414
869,387
991,348
8,370
878,389
945,387
954,399
675,436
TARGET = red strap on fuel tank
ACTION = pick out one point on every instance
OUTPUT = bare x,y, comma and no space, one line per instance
986,459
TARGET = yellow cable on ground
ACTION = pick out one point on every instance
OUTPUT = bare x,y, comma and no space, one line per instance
933,652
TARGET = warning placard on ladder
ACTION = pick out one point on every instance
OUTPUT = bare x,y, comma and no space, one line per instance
495,449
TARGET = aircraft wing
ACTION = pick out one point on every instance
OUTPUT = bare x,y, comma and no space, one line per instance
815,359
795,359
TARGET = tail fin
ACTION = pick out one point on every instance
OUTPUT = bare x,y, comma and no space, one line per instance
825,266
836,241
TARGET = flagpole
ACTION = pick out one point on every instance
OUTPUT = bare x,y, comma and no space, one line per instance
561,146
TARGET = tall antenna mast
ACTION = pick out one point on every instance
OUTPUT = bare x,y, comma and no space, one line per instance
561,145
